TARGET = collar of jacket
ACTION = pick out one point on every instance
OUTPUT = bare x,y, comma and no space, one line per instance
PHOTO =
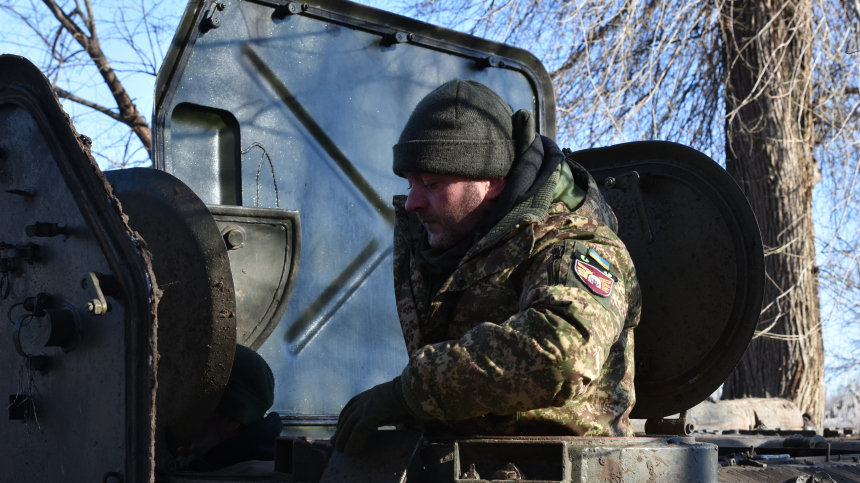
530,211
519,224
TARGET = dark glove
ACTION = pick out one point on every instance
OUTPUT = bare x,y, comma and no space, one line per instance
378,406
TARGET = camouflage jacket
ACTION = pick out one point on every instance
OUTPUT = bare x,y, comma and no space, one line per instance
520,340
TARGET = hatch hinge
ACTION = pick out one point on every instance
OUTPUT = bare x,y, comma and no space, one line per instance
669,427
213,21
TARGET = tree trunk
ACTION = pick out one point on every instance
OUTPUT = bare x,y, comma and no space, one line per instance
768,151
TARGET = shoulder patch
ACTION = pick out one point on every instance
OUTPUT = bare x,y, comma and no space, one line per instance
599,280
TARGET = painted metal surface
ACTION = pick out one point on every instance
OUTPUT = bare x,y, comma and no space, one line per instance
526,460
300,112
700,262
88,412
585,460
385,459
264,246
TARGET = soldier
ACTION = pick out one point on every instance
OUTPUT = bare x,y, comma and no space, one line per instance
516,298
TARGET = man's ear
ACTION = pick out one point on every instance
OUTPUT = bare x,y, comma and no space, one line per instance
495,188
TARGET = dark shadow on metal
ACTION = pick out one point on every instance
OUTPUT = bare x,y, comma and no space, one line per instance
320,135
313,319
385,458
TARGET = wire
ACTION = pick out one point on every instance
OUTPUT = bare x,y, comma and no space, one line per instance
9,312
259,168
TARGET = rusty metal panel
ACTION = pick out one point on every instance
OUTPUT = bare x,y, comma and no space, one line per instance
298,110
640,460
76,361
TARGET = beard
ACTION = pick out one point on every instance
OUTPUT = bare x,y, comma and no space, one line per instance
456,220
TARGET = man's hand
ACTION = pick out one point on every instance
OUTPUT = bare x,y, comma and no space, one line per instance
363,414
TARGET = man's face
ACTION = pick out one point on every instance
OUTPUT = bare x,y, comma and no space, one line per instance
450,206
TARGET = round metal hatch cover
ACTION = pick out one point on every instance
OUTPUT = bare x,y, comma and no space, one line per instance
196,313
700,263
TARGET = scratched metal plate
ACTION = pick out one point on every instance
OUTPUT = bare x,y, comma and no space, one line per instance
301,113
91,412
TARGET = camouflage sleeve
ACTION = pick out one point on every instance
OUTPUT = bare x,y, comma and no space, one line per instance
544,355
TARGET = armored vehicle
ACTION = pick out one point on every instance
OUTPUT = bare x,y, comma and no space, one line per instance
267,221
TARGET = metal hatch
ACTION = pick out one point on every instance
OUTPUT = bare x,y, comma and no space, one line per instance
277,105
699,258
80,385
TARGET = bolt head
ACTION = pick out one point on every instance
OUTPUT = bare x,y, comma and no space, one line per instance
234,238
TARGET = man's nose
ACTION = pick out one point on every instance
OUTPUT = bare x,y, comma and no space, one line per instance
416,199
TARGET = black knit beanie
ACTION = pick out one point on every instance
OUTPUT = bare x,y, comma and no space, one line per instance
462,128
250,392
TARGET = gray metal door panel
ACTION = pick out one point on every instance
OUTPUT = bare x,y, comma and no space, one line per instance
302,113
77,383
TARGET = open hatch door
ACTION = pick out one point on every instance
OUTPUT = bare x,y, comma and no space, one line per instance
271,105
267,106
699,258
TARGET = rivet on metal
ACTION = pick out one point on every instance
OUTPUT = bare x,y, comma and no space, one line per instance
287,9
491,61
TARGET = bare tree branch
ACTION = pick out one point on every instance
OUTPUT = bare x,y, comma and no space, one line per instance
92,105
128,113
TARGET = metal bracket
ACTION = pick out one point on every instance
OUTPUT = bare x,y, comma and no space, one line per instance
396,38
669,427
91,282
45,229
65,326
213,21
491,61
632,182
287,9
